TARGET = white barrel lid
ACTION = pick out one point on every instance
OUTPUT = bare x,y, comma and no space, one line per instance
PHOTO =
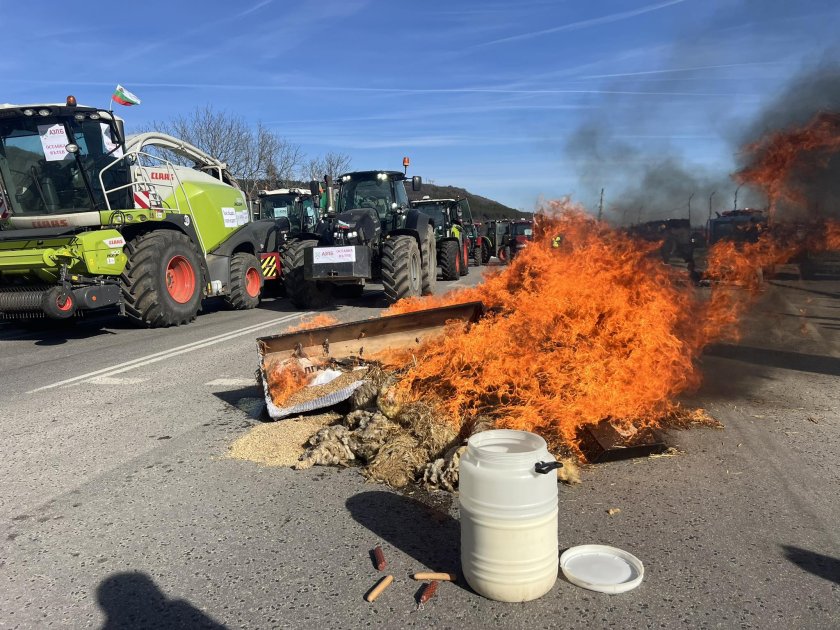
602,568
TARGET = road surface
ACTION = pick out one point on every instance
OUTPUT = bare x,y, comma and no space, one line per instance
118,509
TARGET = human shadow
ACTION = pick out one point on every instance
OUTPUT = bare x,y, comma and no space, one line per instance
132,600
426,533
822,566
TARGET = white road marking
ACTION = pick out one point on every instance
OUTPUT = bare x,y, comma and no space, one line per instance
231,382
110,380
119,368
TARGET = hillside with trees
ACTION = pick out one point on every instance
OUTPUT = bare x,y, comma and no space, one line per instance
483,209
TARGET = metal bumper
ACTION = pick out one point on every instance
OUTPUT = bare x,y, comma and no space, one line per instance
337,264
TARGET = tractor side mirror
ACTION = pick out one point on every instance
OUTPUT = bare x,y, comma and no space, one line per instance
315,188
416,182
120,129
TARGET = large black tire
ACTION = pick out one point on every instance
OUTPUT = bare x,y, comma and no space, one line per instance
477,255
429,265
486,254
401,268
450,260
303,293
162,280
245,282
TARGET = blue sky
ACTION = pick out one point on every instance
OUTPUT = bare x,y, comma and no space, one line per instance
484,95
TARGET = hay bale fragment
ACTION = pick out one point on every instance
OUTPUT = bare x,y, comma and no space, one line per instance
569,473
433,432
398,462
329,447
443,472
388,402
357,418
366,441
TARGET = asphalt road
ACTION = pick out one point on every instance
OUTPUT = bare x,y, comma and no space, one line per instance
117,508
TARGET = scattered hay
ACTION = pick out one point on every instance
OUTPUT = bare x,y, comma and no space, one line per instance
398,462
279,443
443,472
432,431
569,473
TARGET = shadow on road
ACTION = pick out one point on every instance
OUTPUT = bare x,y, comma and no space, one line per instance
822,566
793,287
817,364
426,533
133,600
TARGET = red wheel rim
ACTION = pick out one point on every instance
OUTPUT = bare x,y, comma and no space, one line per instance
458,264
502,254
67,306
252,282
466,252
180,279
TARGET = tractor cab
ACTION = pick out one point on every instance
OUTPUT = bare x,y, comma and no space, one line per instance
297,205
56,164
445,214
373,197
740,226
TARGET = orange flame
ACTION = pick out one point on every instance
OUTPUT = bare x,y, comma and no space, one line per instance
284,379
589,328
321,319
778,156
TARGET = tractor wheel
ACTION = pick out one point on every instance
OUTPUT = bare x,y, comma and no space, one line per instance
303,293
161,282
450,260
429,263
485,252
401,268
478,256
245,282
465,257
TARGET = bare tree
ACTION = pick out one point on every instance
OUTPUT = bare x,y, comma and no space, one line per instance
257,157
332,164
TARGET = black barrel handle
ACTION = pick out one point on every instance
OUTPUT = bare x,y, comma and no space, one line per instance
544,468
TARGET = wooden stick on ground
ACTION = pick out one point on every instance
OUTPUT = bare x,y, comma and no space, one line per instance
443,577
381,585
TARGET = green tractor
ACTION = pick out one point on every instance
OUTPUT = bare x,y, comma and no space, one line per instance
368,232
288,212
453,237
92,219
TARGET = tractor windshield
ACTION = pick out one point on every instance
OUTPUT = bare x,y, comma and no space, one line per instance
737,231
276,206
42,177
521,229
374,192
437,212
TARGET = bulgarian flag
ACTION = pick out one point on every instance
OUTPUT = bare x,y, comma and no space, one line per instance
124,97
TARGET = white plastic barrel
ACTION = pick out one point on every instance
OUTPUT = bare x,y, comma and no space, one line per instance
509,549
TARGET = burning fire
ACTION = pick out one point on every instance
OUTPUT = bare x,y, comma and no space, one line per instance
779,156
590,328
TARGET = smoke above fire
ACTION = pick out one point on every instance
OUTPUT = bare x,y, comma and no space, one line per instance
624,148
